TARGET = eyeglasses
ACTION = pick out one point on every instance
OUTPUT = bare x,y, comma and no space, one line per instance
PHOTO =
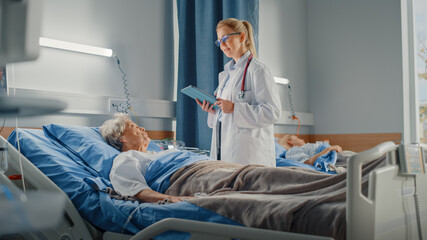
224,38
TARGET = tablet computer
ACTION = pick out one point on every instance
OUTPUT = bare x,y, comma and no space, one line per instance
195,92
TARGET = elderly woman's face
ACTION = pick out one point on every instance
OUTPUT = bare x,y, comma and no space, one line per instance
295,141
135,135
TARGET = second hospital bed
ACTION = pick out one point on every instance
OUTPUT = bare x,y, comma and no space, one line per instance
62,151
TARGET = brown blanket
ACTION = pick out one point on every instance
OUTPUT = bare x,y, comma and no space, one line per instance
287,199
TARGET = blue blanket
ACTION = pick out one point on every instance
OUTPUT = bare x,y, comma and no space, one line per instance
322,163
160,171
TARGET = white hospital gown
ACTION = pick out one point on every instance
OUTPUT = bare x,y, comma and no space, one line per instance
303,153
129,168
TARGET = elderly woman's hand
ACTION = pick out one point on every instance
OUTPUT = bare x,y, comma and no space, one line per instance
174,199
336,148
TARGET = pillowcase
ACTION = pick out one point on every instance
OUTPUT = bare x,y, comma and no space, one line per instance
87,144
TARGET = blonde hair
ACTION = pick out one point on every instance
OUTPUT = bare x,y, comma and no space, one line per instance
284,141
241,27
112,130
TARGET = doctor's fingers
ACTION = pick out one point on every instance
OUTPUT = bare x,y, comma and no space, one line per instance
202,105
211,110
219,101
198,102
207,107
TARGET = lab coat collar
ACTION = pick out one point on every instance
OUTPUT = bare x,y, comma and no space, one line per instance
240,63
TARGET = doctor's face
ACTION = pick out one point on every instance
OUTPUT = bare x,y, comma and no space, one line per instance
135,135
231,47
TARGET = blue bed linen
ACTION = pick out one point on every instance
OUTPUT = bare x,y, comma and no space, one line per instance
319,165
283,162
323,161
280,150
96,206
159,172
87,146
64,172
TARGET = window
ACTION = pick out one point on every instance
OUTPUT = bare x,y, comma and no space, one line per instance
420,7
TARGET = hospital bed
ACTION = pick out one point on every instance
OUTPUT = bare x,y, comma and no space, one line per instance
387,212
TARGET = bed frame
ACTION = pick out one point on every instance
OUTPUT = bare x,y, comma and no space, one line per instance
387,213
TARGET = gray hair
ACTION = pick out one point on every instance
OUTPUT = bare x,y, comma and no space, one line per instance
112,130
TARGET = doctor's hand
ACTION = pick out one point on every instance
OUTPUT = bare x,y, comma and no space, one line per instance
225,105
205,106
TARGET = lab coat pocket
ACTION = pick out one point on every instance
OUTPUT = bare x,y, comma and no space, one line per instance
248,96
250,132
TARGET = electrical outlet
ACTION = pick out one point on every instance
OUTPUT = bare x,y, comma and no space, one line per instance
117,105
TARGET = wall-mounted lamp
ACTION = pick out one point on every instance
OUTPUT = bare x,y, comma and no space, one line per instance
69,46
82,48
285,81
281,80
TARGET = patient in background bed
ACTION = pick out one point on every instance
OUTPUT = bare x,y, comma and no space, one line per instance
300,151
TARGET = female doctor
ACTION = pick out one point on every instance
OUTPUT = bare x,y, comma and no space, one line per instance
247,98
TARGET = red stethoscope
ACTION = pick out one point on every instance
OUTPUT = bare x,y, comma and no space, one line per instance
242,90
241,94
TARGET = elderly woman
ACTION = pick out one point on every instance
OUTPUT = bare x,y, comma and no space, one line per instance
129,167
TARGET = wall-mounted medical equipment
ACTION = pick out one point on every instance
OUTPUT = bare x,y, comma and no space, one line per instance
411,159
13,106
411,162
19,41
285,81
32,211
99,51
20,22
3,159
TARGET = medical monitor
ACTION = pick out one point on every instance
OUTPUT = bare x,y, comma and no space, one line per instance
20,22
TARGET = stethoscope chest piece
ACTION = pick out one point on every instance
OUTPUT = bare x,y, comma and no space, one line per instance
241,94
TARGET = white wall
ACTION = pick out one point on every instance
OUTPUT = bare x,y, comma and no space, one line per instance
139,31
283,47
355,66
343,59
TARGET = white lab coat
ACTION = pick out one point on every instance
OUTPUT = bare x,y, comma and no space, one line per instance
247,134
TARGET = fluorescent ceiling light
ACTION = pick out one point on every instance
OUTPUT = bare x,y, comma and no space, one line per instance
69,46
281,80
